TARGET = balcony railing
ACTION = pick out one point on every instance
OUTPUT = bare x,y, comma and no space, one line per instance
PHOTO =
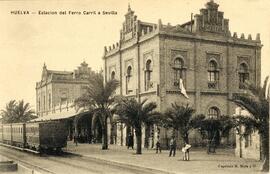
242,86
213,85
149,85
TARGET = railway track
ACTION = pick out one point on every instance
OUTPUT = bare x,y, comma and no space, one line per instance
104,164
20,148
67,162
27,164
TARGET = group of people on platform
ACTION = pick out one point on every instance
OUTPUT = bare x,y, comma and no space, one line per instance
173,146
82,138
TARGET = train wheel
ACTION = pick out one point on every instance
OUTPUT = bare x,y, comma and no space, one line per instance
50,150
41,151
59,151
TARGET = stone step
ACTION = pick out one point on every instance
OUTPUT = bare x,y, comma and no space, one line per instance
7,165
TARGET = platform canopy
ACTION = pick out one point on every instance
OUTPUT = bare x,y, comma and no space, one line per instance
60,115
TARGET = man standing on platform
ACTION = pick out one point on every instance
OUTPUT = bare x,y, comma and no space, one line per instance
172,146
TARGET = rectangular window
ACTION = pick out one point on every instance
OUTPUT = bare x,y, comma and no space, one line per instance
148,82
213,77
178,73
246,140
242,78
44,104
49,101
38,104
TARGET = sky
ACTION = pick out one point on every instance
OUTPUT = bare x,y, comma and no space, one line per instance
65,41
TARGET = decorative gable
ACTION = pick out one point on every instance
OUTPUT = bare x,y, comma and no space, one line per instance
211,20
44,73
129,26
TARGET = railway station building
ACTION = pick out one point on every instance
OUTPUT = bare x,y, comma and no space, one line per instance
212,62
55,96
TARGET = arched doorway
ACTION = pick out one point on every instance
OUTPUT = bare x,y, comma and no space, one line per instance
96,130
80,126
84,128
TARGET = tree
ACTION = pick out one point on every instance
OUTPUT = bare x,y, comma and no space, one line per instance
135,114
212,129
8,113
17,112
99,99
179,118
256,102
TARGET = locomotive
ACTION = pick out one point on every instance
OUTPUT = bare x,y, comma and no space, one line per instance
37,136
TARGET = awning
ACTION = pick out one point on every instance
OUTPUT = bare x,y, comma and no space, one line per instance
60,116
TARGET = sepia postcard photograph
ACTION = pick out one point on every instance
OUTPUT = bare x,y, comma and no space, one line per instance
134,86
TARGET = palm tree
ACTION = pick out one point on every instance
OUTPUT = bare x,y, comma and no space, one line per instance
99,99
17,112
135,114
24,112
256,102
148,124
212,129
179,118
8,113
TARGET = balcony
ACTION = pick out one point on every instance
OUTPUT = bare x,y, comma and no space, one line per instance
213,85
176,83
242,85
149,85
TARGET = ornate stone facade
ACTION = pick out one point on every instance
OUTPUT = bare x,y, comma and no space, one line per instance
212,63
58,89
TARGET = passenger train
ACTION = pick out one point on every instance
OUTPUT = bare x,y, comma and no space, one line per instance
37,136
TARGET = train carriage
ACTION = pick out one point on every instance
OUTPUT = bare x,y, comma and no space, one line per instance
46,135
32,135
51,135
7,133
18,134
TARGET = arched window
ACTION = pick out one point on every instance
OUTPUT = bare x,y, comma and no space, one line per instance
178,69
112,75
148,75
128,80
243,75
213,74
213,112
50,100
